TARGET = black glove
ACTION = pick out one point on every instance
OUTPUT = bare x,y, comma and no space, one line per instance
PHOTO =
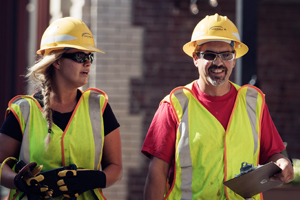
76,182
51,178
31,185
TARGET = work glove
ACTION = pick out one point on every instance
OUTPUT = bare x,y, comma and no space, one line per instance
29,183
76,182
51,178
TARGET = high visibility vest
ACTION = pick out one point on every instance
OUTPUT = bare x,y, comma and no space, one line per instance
81,143
206,154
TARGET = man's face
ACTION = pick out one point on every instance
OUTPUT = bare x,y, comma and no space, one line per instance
215,72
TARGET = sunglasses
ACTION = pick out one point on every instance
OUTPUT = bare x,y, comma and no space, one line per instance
79,57
212,56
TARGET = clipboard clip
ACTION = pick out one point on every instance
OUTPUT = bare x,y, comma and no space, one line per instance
245,168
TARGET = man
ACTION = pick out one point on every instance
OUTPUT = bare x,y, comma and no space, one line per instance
201,133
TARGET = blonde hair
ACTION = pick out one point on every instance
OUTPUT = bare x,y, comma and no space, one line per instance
42,72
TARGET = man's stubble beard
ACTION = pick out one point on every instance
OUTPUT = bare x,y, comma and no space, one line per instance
215,80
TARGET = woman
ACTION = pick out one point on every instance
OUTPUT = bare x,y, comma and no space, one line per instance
70,134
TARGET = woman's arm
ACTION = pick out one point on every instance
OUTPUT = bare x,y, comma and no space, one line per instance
9,147
112,157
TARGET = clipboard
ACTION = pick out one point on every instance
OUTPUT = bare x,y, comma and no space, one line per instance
255,181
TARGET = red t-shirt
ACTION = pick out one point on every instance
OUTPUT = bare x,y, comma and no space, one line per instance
160,140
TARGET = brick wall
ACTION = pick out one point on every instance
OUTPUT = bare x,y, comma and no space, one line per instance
278,67
123,46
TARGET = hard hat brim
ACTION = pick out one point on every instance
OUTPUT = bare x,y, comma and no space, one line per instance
85,48
240,48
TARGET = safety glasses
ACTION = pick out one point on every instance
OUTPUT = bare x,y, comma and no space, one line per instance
79,57
212,56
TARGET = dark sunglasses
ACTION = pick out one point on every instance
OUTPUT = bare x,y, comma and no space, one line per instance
212,56
79,57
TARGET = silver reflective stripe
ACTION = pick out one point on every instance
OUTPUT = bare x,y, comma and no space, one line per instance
237,35
184,148
251,101
25,110
57,38
95,116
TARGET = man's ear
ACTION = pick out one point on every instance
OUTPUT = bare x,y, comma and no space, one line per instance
234,61
195,59
56,64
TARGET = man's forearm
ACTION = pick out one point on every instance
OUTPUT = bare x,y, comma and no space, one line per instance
155,186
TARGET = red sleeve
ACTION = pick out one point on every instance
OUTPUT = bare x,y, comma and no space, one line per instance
160,139
271,141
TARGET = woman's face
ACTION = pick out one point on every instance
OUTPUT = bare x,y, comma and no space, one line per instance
71,73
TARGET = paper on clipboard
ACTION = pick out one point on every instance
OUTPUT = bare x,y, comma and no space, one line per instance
255,181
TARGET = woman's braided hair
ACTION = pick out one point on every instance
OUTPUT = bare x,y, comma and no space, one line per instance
42,73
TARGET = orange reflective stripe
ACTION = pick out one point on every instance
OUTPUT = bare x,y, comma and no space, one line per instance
65,131
95,116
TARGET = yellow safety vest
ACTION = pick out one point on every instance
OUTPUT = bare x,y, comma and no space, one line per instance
81,143
206,154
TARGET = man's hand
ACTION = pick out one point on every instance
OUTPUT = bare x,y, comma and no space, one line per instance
287,173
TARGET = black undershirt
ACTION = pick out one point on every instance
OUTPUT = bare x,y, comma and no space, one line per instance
12,128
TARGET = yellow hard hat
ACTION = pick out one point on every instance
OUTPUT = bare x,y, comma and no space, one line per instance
215,28
67,32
